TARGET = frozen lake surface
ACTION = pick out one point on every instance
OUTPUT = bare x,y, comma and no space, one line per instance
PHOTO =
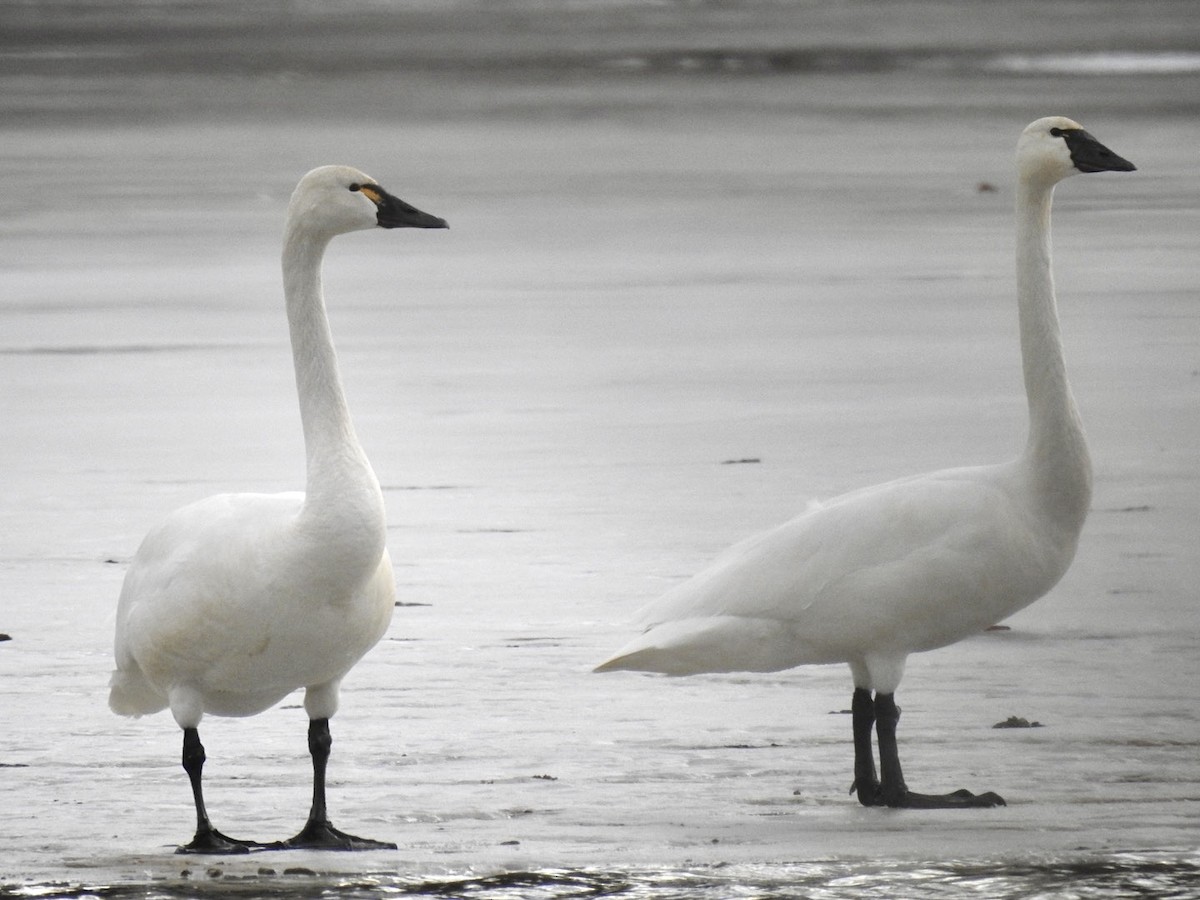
677,301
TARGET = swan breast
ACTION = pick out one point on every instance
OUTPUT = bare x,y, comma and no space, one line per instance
222,598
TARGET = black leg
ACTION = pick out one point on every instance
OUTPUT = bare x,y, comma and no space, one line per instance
893,791
318,833
866,781
887,714
207,839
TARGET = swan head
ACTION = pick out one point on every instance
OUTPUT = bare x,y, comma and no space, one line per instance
1056,147
338,199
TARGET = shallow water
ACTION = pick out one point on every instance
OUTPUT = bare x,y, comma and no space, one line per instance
676,302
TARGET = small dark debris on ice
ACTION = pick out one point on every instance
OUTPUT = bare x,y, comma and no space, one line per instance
1017,722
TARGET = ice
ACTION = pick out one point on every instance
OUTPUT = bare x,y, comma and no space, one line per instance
665,315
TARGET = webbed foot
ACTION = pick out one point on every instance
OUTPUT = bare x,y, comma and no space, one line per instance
323,836
960,799
211,841
868,791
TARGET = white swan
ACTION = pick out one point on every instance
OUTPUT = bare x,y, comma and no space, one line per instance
235,601
874,575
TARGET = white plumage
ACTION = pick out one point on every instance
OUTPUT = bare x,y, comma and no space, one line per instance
910,565
235,601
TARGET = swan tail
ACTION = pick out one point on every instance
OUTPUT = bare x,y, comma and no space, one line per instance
659,649
130,694
634,661
709,644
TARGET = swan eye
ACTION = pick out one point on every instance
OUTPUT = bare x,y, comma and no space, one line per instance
1057,132
370,191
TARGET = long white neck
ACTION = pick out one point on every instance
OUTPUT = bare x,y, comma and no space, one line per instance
342,494
1056,458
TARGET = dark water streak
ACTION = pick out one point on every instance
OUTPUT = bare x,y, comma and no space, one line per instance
540,37
1162,876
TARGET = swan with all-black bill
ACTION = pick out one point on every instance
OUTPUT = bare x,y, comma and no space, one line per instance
234,602
874,575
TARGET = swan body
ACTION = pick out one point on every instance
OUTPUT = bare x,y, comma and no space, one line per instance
246,608
874,575
850,581
235,601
